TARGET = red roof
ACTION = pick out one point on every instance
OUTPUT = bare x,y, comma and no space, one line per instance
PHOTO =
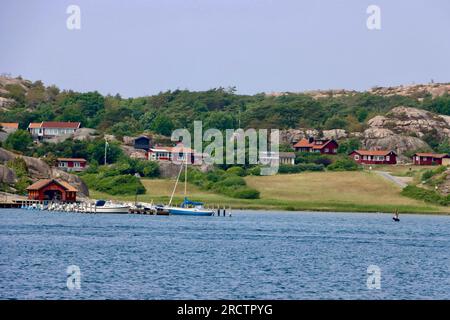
13,125
373,152
72,159
34,125
431,155
44,182
57,124
304,143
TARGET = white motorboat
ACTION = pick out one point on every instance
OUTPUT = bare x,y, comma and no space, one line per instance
102,206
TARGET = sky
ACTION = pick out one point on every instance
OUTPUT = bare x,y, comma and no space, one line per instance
138,47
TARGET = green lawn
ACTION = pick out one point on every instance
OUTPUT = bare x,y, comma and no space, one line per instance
322,191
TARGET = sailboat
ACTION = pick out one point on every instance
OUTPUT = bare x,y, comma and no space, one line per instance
187,208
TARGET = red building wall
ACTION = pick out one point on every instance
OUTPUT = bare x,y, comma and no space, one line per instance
392,159
68,196
332,147
428,162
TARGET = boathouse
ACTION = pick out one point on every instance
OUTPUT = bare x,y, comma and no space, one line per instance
323,146
374,156
52,189
429,159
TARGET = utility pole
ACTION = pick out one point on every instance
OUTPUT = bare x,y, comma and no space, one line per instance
106,147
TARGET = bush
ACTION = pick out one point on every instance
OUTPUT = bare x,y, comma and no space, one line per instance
255,171
344,164
232,181
239,171
430,173
19,166
222,182
286,168
19,140
245,193
425,195
117,184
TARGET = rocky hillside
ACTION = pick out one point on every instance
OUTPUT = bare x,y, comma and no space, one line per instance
415,90
37,169
403,130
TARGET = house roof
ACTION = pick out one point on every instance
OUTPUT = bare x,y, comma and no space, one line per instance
431,155
34,125
72,159
44,182
373,152
304,143
12,125
58,124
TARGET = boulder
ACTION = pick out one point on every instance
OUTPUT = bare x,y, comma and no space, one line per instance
7,175
335,134
72,179
400,144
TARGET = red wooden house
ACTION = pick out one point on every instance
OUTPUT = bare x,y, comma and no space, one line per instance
52,189
324,146
429,159
71,164
374,156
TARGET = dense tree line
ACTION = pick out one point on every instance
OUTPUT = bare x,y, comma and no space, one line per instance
217,108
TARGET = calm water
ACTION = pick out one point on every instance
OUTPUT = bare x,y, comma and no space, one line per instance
252,255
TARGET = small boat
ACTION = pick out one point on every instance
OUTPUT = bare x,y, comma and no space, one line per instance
187,208
102,206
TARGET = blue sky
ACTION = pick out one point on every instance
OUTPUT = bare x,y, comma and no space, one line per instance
138,47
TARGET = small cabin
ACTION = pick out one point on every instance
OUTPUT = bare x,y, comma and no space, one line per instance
142,142
177,154
374,156
52,190
50,129
430,159
71,164
323,146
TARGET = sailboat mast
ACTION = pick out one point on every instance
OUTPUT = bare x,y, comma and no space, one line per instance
185,175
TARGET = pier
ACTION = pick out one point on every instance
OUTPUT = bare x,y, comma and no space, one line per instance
91,208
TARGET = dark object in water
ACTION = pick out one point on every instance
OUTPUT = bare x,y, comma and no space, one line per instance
395,219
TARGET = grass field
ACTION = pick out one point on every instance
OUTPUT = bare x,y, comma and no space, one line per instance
319,191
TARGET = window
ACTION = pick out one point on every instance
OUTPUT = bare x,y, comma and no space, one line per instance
356,157
327,150
388,158
76,164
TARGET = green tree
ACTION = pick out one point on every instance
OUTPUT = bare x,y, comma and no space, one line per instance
162,125
19,140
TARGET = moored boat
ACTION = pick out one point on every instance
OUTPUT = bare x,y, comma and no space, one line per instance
102,206
185,210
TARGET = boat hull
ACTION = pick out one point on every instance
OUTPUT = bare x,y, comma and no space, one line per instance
189,212
116,210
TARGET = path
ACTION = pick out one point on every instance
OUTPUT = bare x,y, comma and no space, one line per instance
398,181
